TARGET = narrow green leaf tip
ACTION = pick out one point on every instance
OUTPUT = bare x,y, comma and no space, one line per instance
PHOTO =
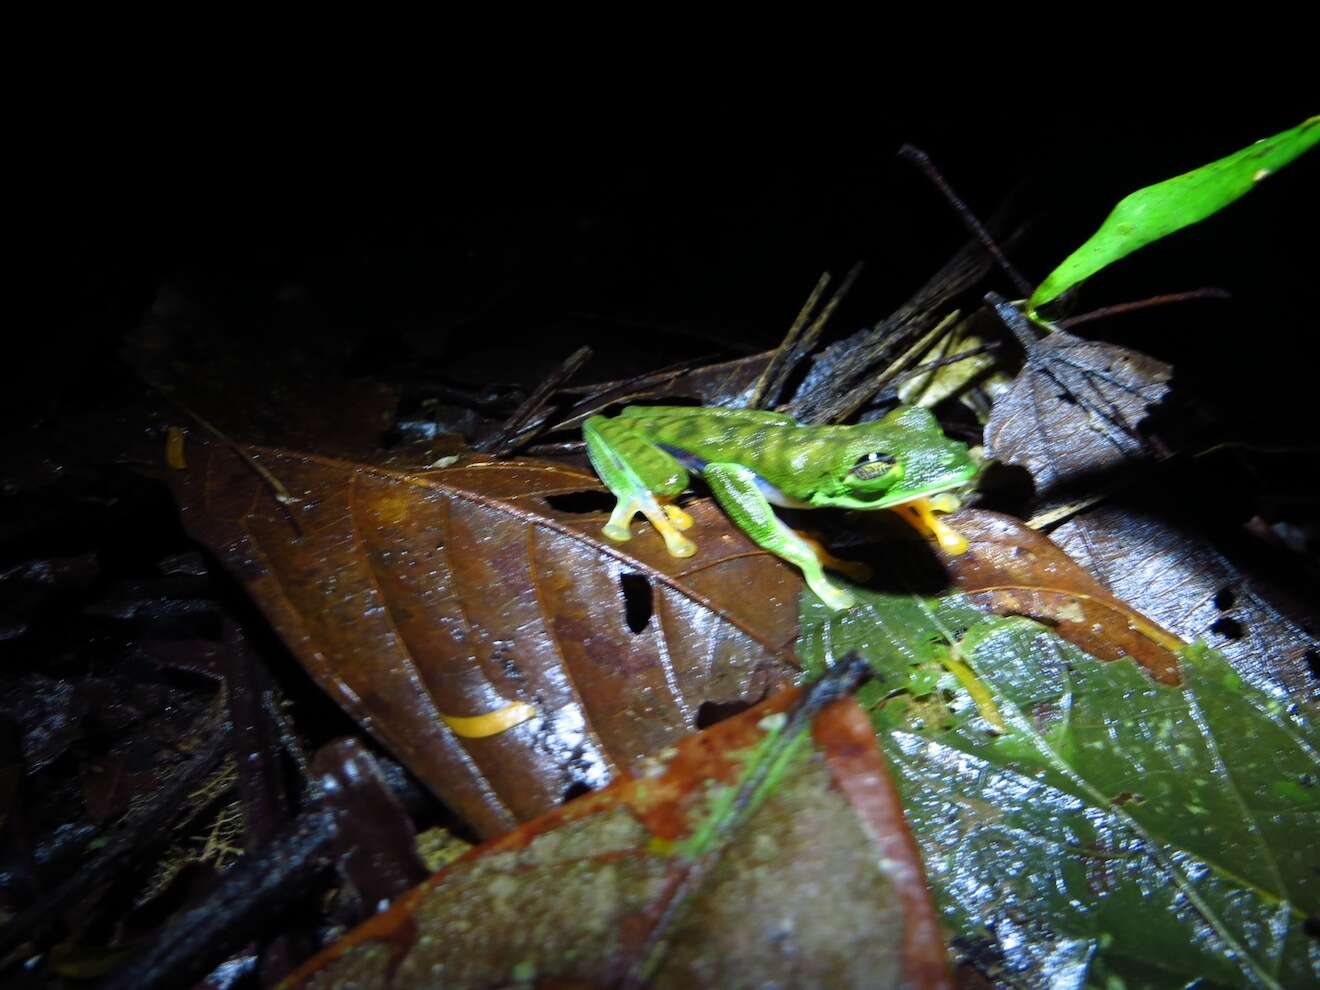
1157,211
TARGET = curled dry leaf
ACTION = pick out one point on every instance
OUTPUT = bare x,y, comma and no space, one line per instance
1185,583
1014,570
814,881
1072,415
412,596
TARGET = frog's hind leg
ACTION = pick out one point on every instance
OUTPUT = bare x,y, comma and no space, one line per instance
735,488
854,569
636,470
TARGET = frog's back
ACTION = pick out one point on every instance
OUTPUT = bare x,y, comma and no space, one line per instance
792,457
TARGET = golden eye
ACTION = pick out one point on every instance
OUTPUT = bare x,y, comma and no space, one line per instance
873,465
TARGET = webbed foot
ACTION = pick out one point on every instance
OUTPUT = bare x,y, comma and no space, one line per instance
920,514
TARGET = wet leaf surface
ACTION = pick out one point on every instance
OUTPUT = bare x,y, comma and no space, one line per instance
1190,587
755,853
1118,828
1012,569
456,592
1073,416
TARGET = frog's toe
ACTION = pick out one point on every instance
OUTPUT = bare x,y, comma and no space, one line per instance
679,546
679,518
617,533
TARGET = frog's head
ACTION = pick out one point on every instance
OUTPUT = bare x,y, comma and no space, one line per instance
893,460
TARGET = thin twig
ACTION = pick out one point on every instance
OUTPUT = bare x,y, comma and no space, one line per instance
969,219
921,369
808,341
786,346
1122,309
523,425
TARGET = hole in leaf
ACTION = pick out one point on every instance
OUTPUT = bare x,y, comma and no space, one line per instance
581,503
1228,628
575,790
1224,599
1067,398
711,712
1312,658
637,608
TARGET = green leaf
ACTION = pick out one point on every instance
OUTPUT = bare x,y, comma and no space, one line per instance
1157,211
1120,829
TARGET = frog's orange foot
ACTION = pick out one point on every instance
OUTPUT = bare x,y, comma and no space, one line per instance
920,514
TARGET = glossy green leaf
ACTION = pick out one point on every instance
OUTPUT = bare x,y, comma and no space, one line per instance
1157,211
1119,829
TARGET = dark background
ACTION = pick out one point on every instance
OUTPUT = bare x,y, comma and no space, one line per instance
486,245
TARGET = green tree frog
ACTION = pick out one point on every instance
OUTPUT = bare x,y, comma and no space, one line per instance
753,459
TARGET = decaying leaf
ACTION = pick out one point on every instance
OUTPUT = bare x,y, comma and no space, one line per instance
1072,417
757,853
416,596
1011,569
929,388
1116,830
1183,582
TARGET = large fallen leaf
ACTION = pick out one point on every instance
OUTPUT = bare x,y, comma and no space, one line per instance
1185,583
412,597
1159,210
1116,829
756,854
1072,416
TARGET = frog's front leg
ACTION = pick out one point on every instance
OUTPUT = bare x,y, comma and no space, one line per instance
636,471
735,488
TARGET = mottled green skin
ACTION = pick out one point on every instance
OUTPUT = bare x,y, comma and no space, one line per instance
810,466
809,463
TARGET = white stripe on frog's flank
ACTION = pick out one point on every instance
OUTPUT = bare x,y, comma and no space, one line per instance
772,494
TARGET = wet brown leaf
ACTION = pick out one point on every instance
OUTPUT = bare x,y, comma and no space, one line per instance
459,591
1185,583
819,885
1072,416
1014,570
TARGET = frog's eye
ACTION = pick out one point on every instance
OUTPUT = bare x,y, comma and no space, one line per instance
874,465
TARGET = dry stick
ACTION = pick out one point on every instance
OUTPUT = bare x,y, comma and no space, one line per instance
978,230
785,347
813,332
921,369
516,431
1121,309
837,386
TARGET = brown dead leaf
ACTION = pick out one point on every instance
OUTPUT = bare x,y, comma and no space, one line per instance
1072,416
1014,570
1185,583
456,592
819,884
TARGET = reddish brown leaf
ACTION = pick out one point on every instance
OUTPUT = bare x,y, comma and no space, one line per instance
458,591
1014,570
820,885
